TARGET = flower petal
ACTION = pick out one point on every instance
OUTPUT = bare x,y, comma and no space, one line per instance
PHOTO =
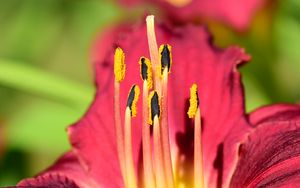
67,172
275,112
236,13
271,155
196,60
48,181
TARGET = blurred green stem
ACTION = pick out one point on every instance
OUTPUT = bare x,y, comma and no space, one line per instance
28,79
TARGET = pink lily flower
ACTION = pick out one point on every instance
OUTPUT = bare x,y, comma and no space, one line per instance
237,14
218,146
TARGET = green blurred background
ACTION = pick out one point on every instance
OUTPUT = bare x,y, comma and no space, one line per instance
46,81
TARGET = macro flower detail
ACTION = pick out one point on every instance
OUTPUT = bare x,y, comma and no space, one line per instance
235,13
190,128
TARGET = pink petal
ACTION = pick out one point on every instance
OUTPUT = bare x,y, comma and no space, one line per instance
48,181
274,113
270,157
67,172
236,13
195,60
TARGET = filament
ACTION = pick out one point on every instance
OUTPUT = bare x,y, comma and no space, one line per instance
130,172
149,180
165,131
158,155
198,160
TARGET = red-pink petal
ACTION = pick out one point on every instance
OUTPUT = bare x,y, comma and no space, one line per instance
195,60
270,157
236,13
67,172
275,112
48,181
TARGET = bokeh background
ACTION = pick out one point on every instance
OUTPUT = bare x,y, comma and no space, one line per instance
46,81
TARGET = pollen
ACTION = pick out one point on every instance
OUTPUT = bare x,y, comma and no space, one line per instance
119,64
165,57
132,99
154,106
146,71
194,101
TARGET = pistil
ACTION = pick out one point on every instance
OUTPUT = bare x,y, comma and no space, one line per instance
146,75
165,58
154,117
194,112
153,49
119,72
130,112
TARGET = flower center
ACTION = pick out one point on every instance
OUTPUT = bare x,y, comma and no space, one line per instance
157,161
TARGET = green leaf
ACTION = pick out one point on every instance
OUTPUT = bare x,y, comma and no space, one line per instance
40,126
28,79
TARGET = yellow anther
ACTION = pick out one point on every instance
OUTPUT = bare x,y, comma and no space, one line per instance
146,71
132,99
165,58
194,101
119,65
154,106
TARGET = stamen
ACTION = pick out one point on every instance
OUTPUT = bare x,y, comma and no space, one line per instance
146,75
194,112
146,71
154,116
165,57
119,70
153,50
165,66
129,164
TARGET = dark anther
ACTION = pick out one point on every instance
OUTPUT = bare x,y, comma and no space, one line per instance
131,97
144,69
165,58
155,109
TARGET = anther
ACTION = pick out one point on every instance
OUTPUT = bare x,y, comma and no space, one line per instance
146,71
165,57
194,101
132,99
119,64
154,106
